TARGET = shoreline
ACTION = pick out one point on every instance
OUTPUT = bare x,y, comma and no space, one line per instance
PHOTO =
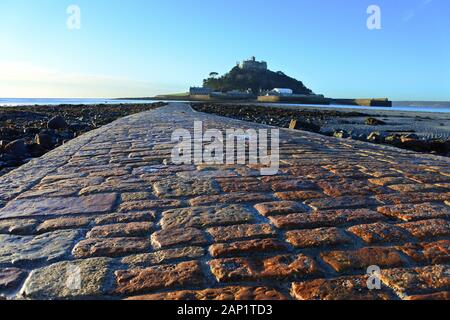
28,132
417,131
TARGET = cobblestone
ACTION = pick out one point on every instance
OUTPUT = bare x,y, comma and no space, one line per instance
10,278
242,232
379,232
163,256
111,247
417,280
328,218
132,229
246,247
345,288
432,253
225,294
408,212
280,207
363,258
63,223
427,229
206,216
160,277
69,279
253,269
317,238
110,209
48,247
59,206
173,237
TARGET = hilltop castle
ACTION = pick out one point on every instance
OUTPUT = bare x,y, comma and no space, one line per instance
252,64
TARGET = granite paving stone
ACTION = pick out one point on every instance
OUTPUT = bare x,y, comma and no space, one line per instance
159,277
108,215
48,247
247,247
242,232
409,212
206,216
409,281
318,238
69,279
253,269
428,252
344,288
380,232
163,256
110,247
10,278
364,258
59,206
174,237
236,293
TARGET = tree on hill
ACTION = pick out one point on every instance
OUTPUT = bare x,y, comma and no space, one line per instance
256,80
213,74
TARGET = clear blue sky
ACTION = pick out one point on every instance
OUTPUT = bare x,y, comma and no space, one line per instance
147,47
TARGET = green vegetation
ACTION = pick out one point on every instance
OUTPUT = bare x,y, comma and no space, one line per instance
174,95
256,80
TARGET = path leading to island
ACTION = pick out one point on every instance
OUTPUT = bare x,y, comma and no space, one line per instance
108,216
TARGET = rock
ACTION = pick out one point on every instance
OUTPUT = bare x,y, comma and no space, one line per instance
11,278
3,143
375,137
393,138
44,140
18,226
16,147
184,274
374,122
74,279
238,293
304,125
36,150
31,130
342,134
17,250
410,136
415,144
99,203
57,122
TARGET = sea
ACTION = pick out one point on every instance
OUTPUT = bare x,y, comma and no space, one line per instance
407,106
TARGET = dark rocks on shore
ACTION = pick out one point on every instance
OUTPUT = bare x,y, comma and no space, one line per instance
31,131
56,123
318,121
16,148
45,141
307,125
374,122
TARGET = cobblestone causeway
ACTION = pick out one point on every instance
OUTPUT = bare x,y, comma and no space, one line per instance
108,216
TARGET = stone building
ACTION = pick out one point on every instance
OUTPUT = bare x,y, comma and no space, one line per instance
252,64
200,91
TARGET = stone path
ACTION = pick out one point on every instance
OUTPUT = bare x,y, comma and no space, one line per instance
107,216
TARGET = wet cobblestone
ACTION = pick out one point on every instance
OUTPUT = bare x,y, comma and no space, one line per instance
113,206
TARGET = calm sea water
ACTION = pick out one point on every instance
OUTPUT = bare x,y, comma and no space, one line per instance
11,102
435,107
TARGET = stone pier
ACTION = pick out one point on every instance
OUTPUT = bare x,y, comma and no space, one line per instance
109,216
